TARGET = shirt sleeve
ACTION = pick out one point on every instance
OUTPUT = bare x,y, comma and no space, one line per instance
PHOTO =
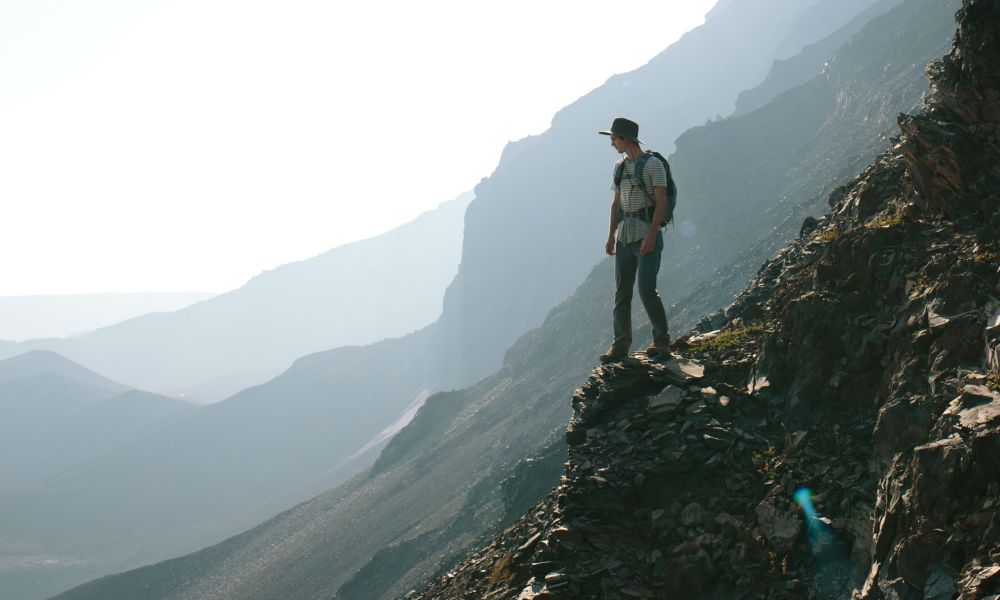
655,173
614,169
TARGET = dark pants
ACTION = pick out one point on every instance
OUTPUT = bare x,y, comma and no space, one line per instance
628,264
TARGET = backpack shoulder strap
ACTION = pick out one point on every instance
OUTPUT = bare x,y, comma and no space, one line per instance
619,171
671,186
640,169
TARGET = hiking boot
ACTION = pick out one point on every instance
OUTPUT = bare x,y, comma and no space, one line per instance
613,354
661,351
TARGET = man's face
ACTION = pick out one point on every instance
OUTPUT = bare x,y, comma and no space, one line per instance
618,143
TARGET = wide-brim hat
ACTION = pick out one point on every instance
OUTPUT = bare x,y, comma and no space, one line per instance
624,128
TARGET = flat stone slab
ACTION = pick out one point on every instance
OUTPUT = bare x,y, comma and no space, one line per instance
981,415
670,397
687,369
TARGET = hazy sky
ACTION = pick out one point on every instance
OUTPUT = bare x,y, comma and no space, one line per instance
177,145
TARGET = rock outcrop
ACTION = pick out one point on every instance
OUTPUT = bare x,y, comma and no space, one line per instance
838,434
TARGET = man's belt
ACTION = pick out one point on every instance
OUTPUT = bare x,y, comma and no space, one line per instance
644,214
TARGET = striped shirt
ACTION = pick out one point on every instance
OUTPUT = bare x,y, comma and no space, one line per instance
633,228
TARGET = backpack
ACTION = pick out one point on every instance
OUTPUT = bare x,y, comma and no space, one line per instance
640,165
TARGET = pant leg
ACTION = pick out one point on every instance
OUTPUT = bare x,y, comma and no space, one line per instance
648,268
626,263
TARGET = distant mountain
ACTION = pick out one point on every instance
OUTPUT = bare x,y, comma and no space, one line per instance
49,423
474,457
26,404
41,362
362,292
206,473
820,16
800,68
56,414
50,316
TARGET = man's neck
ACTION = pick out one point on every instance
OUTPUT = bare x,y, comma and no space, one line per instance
633,151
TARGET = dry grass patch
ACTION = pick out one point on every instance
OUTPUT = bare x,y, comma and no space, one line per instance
731,338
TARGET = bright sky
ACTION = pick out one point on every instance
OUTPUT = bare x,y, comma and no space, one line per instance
178,145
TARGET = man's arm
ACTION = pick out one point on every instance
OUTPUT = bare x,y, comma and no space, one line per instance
609,246
649,242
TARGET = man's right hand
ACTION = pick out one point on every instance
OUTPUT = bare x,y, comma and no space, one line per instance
609,246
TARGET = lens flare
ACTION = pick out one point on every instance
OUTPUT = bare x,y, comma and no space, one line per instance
820,536
831,564
804,499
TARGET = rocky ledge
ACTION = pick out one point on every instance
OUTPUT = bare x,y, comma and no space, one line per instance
679,484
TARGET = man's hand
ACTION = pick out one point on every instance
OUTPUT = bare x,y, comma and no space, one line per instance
648,243
609,246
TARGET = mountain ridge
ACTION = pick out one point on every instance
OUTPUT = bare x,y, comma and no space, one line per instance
37,362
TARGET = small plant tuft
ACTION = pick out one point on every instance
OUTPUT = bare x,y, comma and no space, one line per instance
501,573
884,221
775,566
921,284
828,235
766,462
987,258
729,339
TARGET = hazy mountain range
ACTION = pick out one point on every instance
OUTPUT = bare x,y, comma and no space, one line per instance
358,293
439,484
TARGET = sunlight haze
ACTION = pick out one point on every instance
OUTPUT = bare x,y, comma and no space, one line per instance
179,145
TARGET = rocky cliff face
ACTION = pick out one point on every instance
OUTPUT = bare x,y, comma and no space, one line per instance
840,436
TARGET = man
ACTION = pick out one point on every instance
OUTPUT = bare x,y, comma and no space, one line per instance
636,218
